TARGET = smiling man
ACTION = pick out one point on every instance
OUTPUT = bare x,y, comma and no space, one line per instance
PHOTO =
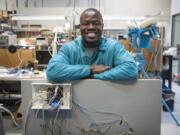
92,55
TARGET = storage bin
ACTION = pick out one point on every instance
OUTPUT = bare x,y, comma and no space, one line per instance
168,96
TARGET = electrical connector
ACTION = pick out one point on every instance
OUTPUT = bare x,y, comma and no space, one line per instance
52,96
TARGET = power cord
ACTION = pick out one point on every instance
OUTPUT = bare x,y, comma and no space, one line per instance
12,116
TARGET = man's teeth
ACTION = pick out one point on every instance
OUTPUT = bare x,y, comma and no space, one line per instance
91,34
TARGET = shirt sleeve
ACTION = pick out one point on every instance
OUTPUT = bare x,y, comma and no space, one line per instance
60,69
124,67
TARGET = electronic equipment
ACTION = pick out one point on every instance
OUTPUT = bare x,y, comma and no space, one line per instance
51,96
10,39
3,40
43,57
41,41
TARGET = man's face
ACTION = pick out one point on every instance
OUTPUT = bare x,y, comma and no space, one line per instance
91,27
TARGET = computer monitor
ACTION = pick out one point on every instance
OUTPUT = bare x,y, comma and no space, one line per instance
43,57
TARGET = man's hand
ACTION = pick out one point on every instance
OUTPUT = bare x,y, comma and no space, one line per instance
95,69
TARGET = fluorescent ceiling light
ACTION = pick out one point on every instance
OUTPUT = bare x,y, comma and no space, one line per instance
28,18
118,18
106,18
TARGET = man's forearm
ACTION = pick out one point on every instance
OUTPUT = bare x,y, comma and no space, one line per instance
64,72
128,71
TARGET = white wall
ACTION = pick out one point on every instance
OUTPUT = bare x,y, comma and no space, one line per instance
46,12
175,26
59,3
11,5
120,8
111,7
136,7
175,7
2,5
176,31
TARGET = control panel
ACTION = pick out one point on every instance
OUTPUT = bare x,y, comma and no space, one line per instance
51,96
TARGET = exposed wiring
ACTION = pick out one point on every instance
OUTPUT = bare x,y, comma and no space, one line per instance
5,91
19,59
35,99
83,110
104,112
56,99
95,126
54,96
57,113
46,128
49,50
150,63
102,127
43,89
153,59
157,52
53,44
76,113
12,116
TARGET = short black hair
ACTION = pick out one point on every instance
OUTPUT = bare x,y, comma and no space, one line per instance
91,9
